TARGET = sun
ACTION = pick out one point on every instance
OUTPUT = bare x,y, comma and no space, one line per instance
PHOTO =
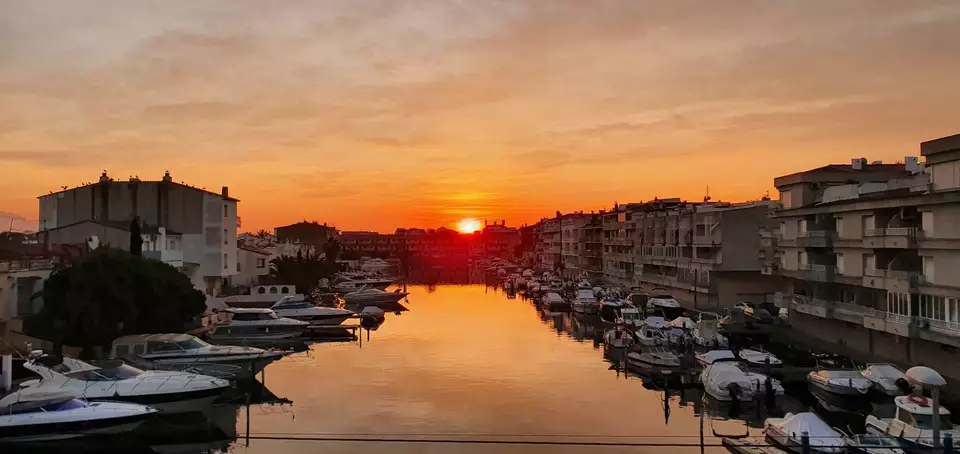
468,225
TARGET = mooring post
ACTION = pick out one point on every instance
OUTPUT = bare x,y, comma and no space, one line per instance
805,442
948,443
6,367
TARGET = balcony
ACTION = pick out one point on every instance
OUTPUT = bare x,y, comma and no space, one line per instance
888,322
891,238
27,265
816,238
819,273
812,306
892,280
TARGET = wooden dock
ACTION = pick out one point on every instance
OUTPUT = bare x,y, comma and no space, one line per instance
750,446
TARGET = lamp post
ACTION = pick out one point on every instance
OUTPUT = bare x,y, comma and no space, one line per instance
926,377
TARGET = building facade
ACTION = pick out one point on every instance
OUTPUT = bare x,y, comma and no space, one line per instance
871,255
253,264
207,221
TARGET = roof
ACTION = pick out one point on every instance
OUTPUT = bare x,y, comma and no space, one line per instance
172,183
135,338
941,145
842,173
255,250
119,225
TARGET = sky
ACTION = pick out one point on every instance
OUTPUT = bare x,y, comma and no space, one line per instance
372,114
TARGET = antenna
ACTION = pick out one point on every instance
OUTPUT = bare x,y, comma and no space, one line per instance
706,198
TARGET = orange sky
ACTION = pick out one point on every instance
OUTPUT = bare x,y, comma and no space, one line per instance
381,113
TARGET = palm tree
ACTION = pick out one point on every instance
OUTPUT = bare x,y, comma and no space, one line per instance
262,234
303,271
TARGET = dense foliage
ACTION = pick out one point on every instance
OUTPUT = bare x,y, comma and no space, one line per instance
303,271
112,293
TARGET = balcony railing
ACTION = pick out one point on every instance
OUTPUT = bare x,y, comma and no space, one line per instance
898,318
893,231
952,328
817,234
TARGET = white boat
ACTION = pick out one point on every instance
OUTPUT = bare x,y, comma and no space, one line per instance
184,352
584,284
527,274
706,332
237,324
533,286
291,307
617,337
787,433
373,296
167,391
352,284
912,425
887,379
375,265
838,379
666,304
610,307
874,444
714,356
556,285
650,331
553,302
630,316
725,382
60,416
654,358
757,358
585,302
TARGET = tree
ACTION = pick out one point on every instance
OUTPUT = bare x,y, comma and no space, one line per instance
262,234
136,240
113,293
331,250
303,271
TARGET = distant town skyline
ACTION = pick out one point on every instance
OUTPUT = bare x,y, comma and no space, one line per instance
380,114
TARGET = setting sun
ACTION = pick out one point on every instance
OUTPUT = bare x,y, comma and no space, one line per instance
468,225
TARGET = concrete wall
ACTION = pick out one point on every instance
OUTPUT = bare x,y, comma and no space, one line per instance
248,272
108,236
852,261
741,238
946,221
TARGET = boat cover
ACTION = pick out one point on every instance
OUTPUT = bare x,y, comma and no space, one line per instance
684,323
713,356
883,372
722,374
821,434
656,322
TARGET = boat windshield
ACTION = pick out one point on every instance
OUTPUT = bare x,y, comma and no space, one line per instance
925,422
116,372
192,343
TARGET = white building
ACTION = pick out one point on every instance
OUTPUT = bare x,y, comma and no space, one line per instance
252,263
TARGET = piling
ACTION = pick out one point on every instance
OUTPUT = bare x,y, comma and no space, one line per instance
805,442
6,368
948,443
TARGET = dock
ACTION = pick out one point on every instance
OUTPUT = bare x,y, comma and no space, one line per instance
750,446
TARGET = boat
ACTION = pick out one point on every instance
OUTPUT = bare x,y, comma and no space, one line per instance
787,432
887,379
58,415
617,337
610,307
113,380
374,296
760,381
650,331
706,333
585,302
184,352
556,285
838,376
912,425
759,358
533,286
705,359
584,284
726,382
553,302
660,359
739,323
375,265
372,314
637,297
666,304
527,274
630,316
291,307
347,283
237,324
873,444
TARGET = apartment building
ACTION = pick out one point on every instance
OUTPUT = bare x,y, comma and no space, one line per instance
158,242
207,221
870,253
551,243
617,231
707,255
570,241
591,248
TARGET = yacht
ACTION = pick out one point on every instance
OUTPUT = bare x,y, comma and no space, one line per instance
787,431
912,425
348,284
610,307
838,376
585,302
630,316
553,302
584,284
60,416
291,307
375,265
759,358
654,358
374,296
715,356
255,325
617,337
533,286
188,353
650,331
887,379
167,391
726,382
665,303
706,332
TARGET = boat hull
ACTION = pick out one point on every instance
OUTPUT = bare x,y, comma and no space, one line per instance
238,367
66,430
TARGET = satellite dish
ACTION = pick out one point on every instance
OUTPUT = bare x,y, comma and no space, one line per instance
93,242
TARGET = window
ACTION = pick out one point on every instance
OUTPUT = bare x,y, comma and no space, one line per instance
839,224
138,349
783,261
261,290
284,290
840,263
928,269
933,307
273,290
802,258
226,210
224,261
173,245
927,223
161,347
225,237
783,227
122,350
898,303
261,263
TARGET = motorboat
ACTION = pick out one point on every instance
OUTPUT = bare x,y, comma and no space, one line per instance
788,431
374,296
556,285
681,330
726,382
372,314
58,415
654,358
887,379
610,307
637,297
912,425
600,293
684,323
715,356
676,336
375,265
184,352
346,284
706,333
113,380
533,286
760,381
244,325
666,304
650,331
618,337
740,323
553,302
585,302
838,376
759,358
290,307
873,444
584,284
630,316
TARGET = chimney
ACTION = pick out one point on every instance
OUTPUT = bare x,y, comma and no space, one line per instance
858,163
225,192
104,178
166,176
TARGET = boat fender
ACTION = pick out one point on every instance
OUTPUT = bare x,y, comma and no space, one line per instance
919,400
